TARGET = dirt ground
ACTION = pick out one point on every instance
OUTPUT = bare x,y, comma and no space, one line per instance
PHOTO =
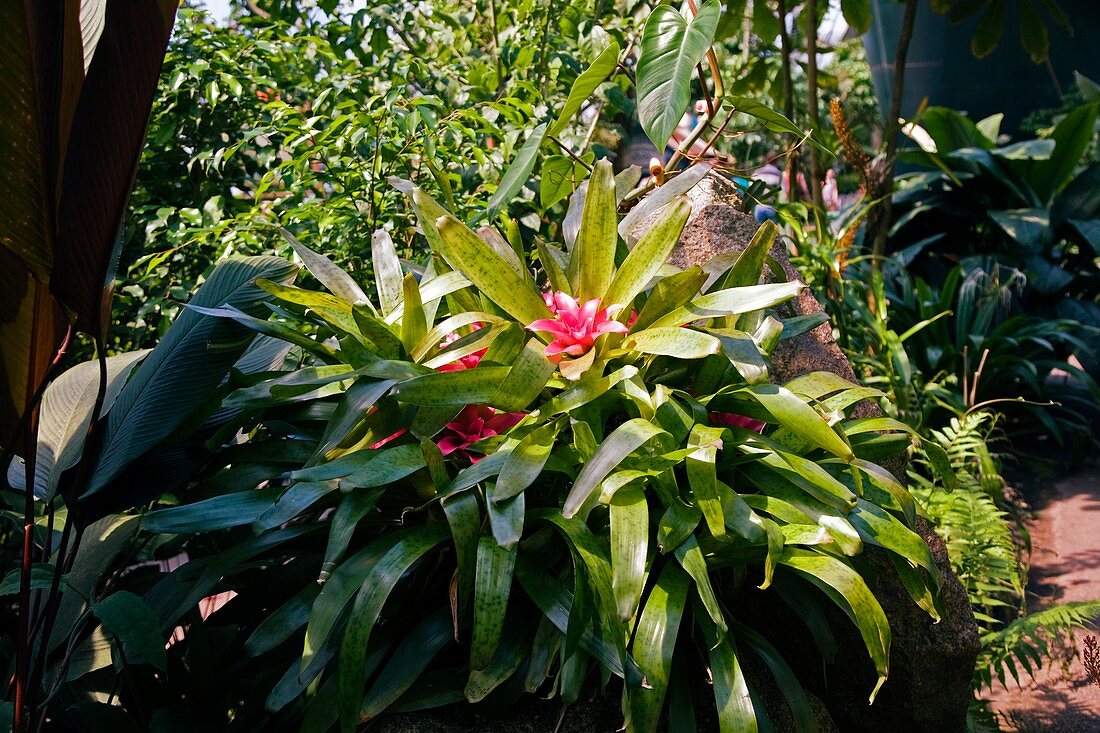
1065,567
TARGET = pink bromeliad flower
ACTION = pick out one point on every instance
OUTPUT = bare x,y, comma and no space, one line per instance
464,362
474,423
575,326
736,421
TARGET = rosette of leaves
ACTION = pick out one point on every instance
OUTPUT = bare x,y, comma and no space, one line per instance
433,511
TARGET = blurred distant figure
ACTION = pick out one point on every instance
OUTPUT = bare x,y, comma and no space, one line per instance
803,188
830,193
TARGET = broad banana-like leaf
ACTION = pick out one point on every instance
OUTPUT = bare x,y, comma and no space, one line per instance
66,413
102,151
77,80
189,362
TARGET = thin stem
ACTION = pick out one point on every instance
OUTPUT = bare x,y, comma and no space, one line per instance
496,41
893,127
811,91
788,93
565,149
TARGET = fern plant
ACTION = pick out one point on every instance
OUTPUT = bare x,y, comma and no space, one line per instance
988,550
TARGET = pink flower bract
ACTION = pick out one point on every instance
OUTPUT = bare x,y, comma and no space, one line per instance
736,421
463,362
575,326
474,423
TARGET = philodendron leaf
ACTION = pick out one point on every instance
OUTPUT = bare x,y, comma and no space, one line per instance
671,48
586,83
518,173
466,252
128,617
771,119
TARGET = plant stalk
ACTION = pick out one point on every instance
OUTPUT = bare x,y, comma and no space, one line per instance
893,128
812,102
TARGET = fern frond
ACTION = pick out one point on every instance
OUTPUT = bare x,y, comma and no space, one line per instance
1027,642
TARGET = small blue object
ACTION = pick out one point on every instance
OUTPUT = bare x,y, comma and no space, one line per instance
763,213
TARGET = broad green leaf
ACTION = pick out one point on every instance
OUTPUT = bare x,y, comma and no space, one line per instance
281,624
589,554
732,301
857,14
130,619
291,503
526,380
413,322
623,441
449,325
669,294
464,518
192,358
555,602
798,417
1034,35
66,412
100,544
464,387
629,514
555,262
329,308
41,578
525,462
592,261
785,679
772,120
354,406
664,195
683,343
850,592
492,588
374,591
367,468
517,174
690,557
1071,137
329,274
705,442
586,83
654,647
743,354
736,713
586,390
411,657
272,329
489,272
506,518
671,48
559,176
648,255
353,507
509,656
749,265
387,270
209,515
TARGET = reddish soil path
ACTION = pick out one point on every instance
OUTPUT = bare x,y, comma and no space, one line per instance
1065,567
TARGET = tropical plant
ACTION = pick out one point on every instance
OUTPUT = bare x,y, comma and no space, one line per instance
78,83
503,493
1030,204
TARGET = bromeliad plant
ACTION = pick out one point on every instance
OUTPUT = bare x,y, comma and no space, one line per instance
531,480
